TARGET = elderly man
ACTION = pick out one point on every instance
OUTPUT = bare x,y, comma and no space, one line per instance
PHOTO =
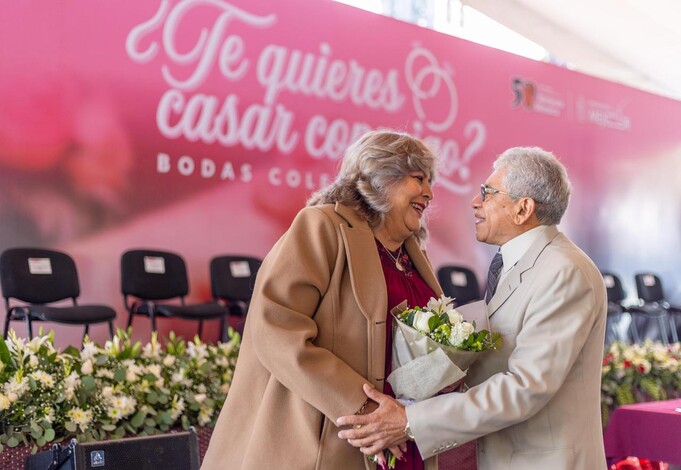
535,404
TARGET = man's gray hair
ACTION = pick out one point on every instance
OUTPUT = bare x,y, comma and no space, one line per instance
533,172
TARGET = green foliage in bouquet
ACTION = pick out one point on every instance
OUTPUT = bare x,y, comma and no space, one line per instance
638,373
444,324
108,392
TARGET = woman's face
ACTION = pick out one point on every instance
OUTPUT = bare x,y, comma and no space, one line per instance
409,198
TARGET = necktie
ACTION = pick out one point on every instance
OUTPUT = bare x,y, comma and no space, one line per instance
493,275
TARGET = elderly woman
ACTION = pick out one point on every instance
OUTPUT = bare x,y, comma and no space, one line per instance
318,329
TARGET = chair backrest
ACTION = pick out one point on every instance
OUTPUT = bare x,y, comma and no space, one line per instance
38,276
233,277
153,274
614,288
460,283
649,287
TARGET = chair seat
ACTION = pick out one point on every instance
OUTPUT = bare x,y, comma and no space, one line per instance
78,314
204,311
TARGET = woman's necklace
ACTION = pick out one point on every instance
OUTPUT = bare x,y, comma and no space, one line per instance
396,259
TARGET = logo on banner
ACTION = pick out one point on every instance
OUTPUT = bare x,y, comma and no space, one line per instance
537,98
602,114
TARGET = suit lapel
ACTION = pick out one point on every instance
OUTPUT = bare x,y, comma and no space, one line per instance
364,266
515,276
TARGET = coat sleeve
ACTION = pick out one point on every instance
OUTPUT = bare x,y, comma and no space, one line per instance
295,279
557,322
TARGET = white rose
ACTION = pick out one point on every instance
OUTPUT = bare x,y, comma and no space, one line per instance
460,333
5,402
86,368
454,316
421,321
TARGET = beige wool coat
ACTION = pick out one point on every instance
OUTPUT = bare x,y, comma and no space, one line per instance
315,333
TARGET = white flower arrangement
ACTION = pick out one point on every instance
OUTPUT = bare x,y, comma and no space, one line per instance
441,322
98,393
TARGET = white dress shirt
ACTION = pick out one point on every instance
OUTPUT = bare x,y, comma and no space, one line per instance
514,249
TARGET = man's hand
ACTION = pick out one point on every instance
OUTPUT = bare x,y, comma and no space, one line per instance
378,430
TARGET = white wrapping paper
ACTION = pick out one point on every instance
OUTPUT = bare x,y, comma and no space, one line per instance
421,366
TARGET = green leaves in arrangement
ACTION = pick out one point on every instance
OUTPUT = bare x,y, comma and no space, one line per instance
444,324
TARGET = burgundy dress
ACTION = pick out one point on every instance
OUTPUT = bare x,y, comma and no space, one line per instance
402,285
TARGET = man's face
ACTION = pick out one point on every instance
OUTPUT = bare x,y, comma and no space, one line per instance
494,216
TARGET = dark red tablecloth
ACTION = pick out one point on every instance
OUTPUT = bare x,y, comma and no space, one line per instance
649,430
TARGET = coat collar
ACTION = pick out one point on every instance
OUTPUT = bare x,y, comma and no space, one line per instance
364,265
525,263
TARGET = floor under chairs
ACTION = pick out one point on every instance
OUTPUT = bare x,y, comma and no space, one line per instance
34,279
460,283
154,284
232,278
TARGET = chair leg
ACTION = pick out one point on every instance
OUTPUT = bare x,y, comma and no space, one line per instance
4,333
29,327
129,319
663,329
111,329
635,336
672,327
223,327
153,320
200,328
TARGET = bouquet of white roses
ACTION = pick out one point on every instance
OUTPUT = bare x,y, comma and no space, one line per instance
433,347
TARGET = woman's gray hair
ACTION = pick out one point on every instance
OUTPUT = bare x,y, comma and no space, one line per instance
370,168
533,172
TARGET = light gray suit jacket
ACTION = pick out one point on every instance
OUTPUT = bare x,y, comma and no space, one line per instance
534,404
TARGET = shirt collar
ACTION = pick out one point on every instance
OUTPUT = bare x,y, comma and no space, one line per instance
514,249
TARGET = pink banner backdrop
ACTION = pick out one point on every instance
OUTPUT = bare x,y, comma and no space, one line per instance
201,126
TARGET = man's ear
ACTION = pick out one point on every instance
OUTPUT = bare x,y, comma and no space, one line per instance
524,210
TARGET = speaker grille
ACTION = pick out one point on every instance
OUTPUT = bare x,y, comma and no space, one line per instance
177,451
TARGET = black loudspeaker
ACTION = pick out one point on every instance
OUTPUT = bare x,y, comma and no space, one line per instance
175,451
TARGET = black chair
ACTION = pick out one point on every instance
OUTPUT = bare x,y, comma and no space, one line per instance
34,277
232,279
620,324
651,298
459,283
150,276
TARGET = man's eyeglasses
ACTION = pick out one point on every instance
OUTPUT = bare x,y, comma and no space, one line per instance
485,190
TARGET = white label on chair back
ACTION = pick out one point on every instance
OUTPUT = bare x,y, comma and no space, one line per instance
609,281
648,280
154,265
39,266
459,279
240,269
